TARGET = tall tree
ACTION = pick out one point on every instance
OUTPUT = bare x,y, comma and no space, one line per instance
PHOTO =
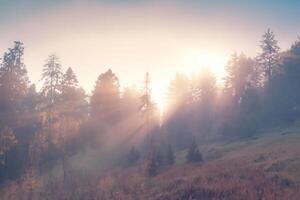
194,154
178,114
205,94
52,77
179,92
13,82
269,56
130,101
105,100
282,102
69,79
147,107
49,131
170,155
239,70
72,106
241,95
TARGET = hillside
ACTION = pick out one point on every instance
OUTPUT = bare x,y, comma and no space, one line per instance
264,167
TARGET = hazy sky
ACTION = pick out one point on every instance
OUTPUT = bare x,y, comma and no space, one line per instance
132,36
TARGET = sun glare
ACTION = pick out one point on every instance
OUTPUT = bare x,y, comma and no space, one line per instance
191,63
194,61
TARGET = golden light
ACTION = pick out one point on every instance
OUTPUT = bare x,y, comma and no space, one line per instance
190,63
193,62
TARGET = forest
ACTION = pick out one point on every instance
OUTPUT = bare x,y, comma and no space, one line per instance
59,142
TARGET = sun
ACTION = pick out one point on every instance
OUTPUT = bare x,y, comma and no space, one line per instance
194,61
190,63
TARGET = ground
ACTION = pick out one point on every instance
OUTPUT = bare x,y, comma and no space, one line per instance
265,166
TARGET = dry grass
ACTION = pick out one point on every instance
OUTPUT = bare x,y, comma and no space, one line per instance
264,168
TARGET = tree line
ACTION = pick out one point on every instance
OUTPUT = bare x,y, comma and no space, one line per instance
39,129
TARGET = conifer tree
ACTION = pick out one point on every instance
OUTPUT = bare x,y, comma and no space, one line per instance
170,155
105,100
13,82
133,156
147,107
194,154
151,164
52,77
269,56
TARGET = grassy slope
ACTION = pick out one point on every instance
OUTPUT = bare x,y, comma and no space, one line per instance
266,166
275,150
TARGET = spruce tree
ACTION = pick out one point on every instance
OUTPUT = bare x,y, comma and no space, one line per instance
52,77
133,156
13,83
194,154
269,56
105,100
151,165
170,156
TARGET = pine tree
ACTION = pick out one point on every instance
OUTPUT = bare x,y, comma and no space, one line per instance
13,82
239,71
52,77
105,100
151,164
160,157
268,58
179,92
72,97
170,156
69,79
194,154
133,156
147,107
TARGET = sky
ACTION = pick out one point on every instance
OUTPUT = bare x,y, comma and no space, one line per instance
133,37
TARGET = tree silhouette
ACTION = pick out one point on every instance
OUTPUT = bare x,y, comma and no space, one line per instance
194,154
52,77
13,83
170,155
105,100
133,156
268,58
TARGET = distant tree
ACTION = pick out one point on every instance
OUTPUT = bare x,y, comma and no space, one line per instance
269,57
52,77
194,154
31,100
239,70
72,98
130,102
170,155
151,164
147,108
133,156
282,99
179,93
205,92
71,108
69,79
13,83
179,112
160,156
242,96
105,99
